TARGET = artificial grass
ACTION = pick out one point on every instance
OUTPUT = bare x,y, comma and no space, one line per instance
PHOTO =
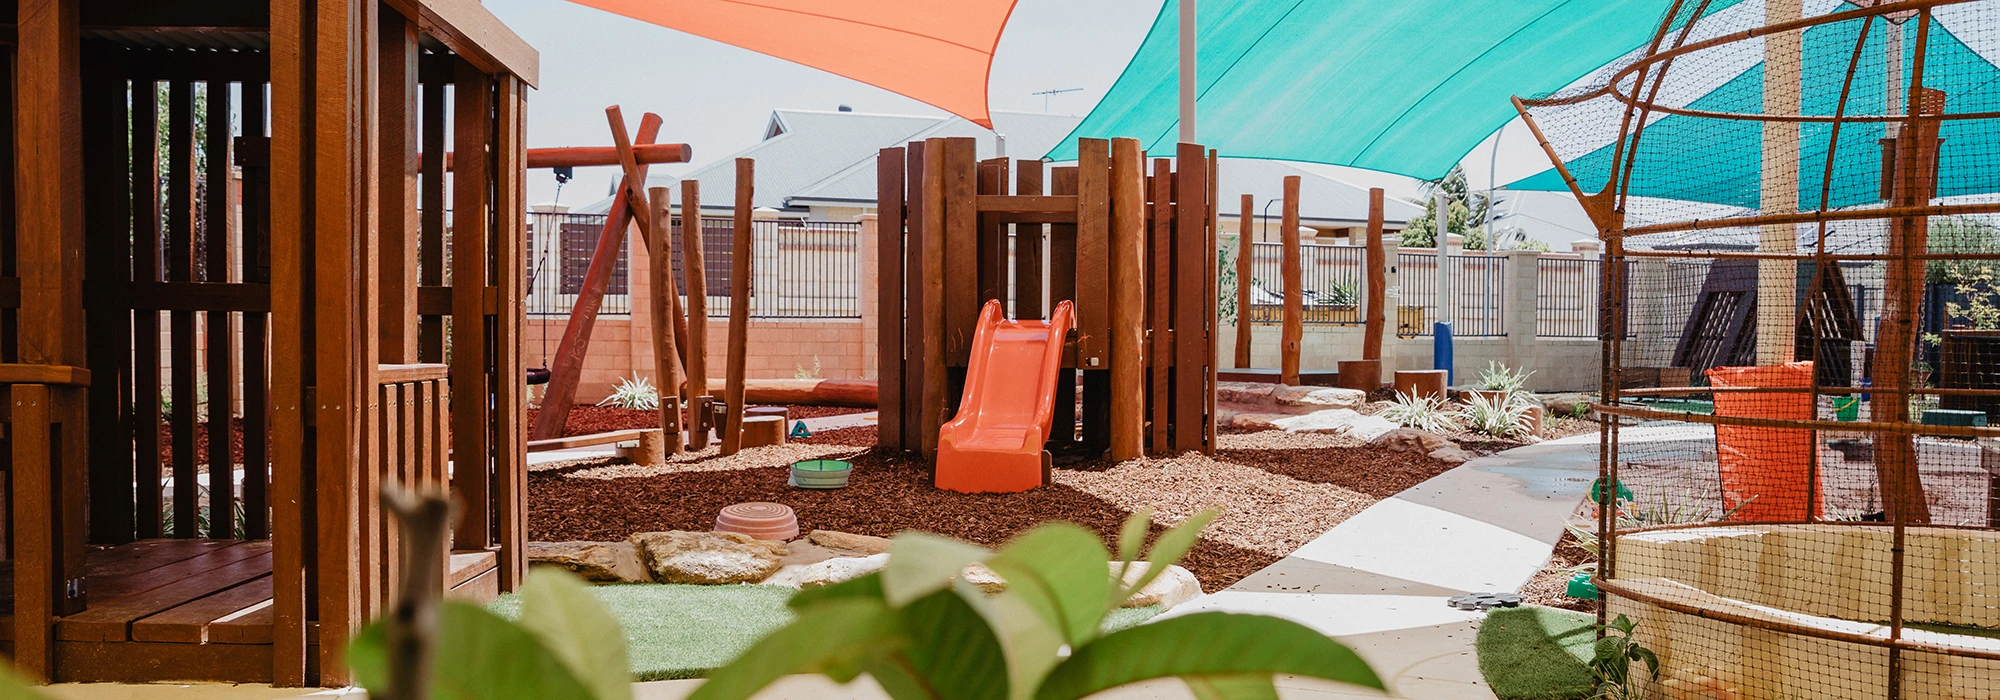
677,631
1536,653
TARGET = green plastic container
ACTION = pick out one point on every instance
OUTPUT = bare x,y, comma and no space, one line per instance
1847,408
1939,416
1580,587
820,473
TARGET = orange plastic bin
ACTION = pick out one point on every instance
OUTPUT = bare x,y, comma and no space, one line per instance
1766,472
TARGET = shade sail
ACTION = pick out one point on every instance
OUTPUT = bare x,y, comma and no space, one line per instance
1406,87
933,51
1727,154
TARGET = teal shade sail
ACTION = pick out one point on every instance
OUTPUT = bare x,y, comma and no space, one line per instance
1725,154
1406,87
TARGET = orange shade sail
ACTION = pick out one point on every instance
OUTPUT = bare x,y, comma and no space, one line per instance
934,51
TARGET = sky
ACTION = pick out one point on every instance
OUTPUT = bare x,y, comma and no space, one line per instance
718,98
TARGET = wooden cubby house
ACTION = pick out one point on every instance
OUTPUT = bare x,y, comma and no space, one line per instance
238,209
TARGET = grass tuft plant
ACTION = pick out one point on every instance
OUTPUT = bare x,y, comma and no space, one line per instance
635,393
1496,377
1505,416
1429,413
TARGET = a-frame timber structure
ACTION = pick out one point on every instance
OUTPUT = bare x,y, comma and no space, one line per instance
261,257
1133,251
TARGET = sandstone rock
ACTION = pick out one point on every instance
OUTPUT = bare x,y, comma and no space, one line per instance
984,579
827,573
1243,392
1255,421
1565,404
596,562
1173,587
849,544
1410,440
708,557
801,552
1336,421
1319,397
1453,454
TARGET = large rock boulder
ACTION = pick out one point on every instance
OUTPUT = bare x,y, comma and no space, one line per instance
679,556
1244,392
1565,404
1337,421
1410,440
1452,454
1318,397
1174,586
849,544
829,572
596,562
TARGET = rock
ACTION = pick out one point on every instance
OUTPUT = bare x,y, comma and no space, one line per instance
1173,587
984,579
1243,392
827,573
1565,404
1255,421
1410,440
1337,421
1319,397
596,562
1453,454
801,552
848,543
708,557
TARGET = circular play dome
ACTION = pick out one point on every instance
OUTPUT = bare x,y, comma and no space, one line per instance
1801,343
764,521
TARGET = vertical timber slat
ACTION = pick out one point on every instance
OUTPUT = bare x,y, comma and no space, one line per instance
889,298
739,307
470,444
1194,302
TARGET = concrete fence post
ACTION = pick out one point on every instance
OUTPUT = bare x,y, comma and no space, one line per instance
869,292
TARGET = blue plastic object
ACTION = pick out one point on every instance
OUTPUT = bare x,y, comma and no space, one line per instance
1441,350
799,431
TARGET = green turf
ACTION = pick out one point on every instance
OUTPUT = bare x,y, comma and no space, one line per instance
1536,653
683,631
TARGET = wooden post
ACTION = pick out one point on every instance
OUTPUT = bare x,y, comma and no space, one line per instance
510,368
398,188
1028,246
931,406
1127,264
220,360
567,369
694,394
1295,309
1158,247
739,308
1062,287
108,256
665,364
1213,223
146,324
1245,254
290,336
1194,302
889,297
1378,281
470,439
1092,273
962,264
1915,184
914,284
180,226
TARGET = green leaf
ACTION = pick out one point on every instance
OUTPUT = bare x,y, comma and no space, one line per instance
868,586
1168,549
1029,640
896,679
11,686
952,649
1256,686
478,656
1609,649
1132,535
1647,655
567,617
1062,571
1205,644
922,563
831,633
1623,624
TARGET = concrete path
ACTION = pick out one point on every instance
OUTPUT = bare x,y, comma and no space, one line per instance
821,424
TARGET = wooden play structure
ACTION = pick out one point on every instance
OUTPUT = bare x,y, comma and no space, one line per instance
1133,253
295,273
1364,374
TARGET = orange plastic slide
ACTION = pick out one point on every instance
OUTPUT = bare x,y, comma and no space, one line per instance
994,443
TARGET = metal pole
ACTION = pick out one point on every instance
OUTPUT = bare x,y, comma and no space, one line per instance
1492,167
1187,71
1443,246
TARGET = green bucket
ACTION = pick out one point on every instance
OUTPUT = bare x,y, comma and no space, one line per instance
1847,408
820,473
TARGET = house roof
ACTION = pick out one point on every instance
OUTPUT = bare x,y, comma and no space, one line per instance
1324,200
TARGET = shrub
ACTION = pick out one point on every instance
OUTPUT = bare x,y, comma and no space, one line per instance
1430,413
1506,416
1496,377
636,393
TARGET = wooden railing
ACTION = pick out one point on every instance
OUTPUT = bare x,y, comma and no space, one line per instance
47,435
409,428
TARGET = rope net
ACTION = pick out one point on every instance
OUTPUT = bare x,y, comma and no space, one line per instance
1801,338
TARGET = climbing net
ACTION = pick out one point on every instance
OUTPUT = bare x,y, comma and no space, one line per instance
1801,331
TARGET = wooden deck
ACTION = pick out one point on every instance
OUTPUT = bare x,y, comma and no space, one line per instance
186,609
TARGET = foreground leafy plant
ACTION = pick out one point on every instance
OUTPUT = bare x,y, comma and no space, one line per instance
1611,660
923,632
1431,413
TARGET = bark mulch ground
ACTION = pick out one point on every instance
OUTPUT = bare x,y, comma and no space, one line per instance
888,493
1547,587
588,420
1337,461
201,442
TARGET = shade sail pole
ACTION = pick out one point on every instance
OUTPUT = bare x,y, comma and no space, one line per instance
1187,71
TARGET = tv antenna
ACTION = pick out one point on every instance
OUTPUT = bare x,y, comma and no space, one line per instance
1046,94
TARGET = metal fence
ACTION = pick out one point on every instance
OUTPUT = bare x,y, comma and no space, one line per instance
1330,283
1566,297
1478,285
800,269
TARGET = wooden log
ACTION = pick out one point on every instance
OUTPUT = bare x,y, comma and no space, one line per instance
1365,375
1915,183
852,393
1377,315
739,307
649,448
694,392
567,370
1421,382
889,321
915,283
1193,302
1295,310
1245,253
931,403
588,156
666,359
1214,287
1126,259
763,431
